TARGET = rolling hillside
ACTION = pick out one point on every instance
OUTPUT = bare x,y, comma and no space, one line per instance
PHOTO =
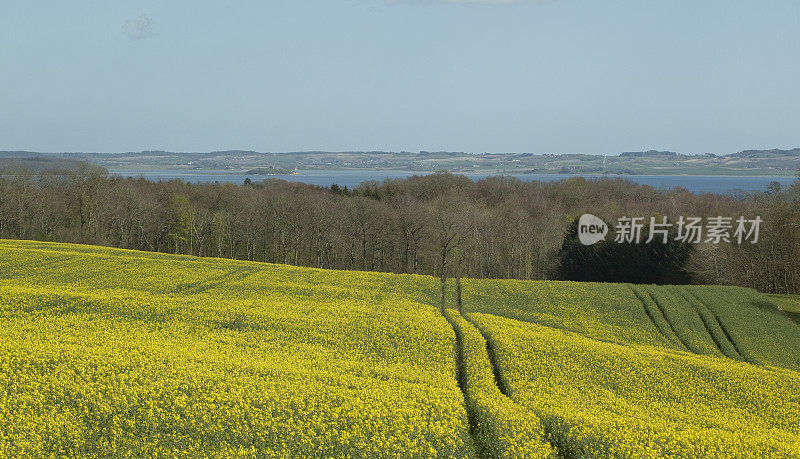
109,352
634,371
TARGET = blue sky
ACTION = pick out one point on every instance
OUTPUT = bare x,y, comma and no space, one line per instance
558,76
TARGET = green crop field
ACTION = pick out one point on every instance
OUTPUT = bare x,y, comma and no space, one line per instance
109,352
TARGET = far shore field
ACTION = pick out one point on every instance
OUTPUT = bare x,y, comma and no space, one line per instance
182,169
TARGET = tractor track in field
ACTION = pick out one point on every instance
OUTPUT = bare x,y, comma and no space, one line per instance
552,435
736,347
502,386
651,314
671,325
707,315
490,348
705,320
461,378
210,283
499,380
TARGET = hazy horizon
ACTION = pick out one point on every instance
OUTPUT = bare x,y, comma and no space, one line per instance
123,152
559,76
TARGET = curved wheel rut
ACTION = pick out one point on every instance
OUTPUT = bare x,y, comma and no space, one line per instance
736,347
502,386
479,388
651,314
461,376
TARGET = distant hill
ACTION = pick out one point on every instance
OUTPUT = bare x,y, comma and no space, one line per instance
19,154
649,153
15,160
793,153
773,162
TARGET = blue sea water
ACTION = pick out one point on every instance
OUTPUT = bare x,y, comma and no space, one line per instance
351,178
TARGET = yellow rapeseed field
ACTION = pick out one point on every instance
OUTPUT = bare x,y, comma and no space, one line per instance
106,352
503,428
109,352
732,392
600,399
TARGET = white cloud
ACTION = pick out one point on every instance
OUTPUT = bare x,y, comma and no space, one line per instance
137,28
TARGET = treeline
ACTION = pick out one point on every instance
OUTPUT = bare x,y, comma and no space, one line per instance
441,223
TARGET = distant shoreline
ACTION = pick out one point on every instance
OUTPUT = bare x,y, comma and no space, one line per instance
413,172
748,163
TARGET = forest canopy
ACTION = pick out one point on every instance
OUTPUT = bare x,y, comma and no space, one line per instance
499,227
